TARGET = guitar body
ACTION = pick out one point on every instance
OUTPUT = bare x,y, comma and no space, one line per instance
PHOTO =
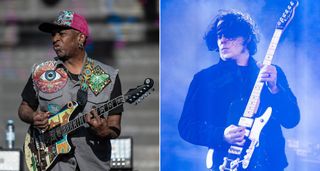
238,157
43,148
226,156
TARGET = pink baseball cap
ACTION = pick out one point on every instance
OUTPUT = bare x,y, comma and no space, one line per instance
67,19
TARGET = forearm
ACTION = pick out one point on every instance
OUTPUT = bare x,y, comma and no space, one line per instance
109,127
110,132
201,133
26,112
286,108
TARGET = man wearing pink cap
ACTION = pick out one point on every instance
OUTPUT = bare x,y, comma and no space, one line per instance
71,76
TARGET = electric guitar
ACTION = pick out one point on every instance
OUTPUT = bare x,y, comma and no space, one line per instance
241,155
42,149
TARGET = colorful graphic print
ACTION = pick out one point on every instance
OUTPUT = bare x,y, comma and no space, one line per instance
48,78
98,80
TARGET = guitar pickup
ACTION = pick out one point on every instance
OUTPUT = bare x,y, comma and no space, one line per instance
235,150
246,122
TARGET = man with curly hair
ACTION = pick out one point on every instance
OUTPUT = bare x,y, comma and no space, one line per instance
218,95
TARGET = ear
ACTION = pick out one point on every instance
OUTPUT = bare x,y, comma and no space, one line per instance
246,42
81,38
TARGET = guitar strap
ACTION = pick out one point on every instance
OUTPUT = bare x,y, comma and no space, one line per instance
82,94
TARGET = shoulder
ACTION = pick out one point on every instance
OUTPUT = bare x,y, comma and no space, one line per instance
105,67
208,73
45,65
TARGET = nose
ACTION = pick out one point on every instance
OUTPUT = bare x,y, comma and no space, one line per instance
54,37
223,39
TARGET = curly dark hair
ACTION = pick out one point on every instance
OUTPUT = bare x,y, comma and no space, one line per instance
233,24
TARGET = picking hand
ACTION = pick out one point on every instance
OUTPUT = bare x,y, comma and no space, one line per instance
40,120
234,135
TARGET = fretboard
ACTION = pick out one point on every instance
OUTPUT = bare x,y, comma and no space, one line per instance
257,88
76,123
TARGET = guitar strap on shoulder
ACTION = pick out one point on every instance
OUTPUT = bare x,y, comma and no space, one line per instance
82,94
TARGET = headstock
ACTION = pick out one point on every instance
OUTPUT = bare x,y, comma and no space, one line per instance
135,95
287,15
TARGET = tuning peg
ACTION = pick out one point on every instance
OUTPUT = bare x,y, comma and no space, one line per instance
147,81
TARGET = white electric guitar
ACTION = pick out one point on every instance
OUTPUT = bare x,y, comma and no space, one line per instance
241,155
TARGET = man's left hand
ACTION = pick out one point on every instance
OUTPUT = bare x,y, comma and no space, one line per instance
97,123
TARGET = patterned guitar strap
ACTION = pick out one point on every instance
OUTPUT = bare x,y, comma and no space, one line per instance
82,94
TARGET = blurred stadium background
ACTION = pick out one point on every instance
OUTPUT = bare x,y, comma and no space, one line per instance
124,34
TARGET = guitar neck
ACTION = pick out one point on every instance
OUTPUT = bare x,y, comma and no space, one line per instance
102,110
272,47
257,88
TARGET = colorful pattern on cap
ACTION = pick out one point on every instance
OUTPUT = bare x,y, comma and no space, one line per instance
65,18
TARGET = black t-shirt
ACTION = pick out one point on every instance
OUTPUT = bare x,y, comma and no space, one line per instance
29,94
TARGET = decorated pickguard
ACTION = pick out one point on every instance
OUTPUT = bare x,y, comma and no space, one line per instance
59,119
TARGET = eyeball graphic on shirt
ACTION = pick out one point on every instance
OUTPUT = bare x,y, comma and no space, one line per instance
50,75
48,78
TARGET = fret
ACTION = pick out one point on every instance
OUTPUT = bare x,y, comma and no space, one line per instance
101,110
58,132
63,130
109,105
69,127
76,122
79,121
257,88
114,103
120,100
82,120
272,47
